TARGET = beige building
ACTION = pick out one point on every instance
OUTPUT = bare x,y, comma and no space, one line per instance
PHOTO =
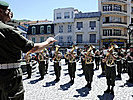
116,16
87,29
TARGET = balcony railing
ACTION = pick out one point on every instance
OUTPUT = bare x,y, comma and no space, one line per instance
115,22
121,1
115,10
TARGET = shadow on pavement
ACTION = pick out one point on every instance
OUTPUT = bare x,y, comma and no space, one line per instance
66,74
52,74
48,84
65,87
105,96
83,92
65,69
127,84
80,75
33,81
100,76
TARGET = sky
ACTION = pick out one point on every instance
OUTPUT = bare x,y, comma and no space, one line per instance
43,9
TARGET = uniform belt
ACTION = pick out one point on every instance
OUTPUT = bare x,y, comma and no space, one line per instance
10,65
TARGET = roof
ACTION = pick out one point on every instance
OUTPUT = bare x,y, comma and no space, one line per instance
87,15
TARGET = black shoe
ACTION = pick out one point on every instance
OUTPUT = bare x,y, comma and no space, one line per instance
112,92
88,85
56,80
107,91
41,78
28,77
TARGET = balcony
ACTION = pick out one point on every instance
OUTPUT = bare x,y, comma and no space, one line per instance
85,43
119,24
115,1
116,37
79,30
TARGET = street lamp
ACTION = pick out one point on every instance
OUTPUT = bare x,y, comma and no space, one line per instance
130,31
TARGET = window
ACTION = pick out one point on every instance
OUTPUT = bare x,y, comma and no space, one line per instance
132,10
67,15
48,29
61,29
107,32
92,38
79,38
58,16
131,20
33,30
41,39
92,24
117,32
117,8
60,39
69,28
69,39
42,29
72,14
34,39
79,25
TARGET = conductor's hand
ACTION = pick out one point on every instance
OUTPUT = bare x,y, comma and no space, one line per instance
50,40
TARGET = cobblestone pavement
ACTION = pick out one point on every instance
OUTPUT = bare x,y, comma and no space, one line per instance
47,89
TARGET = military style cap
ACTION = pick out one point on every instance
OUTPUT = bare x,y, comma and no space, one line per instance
3,4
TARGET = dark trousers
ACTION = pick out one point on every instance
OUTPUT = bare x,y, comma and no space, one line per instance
110,75
83,65
46,67
71,69
97,62
29,68
42,68
103,66
11,86
89,72
57,70
130,71
119,68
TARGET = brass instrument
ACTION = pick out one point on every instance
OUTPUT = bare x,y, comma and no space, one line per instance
41,56
57,54
28,57
88,55
110,58
71,56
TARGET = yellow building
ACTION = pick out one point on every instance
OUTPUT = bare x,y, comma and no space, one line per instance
116,16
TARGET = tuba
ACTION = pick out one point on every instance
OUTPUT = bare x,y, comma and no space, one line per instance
110,58
88,55
57,54
40,56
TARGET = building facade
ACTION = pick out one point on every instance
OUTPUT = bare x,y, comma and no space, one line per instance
87,29
40,31
64,26
114,21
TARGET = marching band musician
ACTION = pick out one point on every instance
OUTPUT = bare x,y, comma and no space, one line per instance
66,58
29,67
41,64
130,64
46,58
110,70
119,63
97,59
89,65
57,63
102,57
72,64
